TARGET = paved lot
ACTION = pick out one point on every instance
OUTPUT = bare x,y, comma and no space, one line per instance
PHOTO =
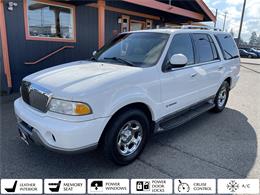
211,146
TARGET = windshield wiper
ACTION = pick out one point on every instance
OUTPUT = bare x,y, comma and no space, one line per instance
121,60
231,56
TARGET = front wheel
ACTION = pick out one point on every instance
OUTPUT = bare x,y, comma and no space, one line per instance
126,136
221,97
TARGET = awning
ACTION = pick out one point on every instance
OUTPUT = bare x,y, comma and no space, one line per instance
184,8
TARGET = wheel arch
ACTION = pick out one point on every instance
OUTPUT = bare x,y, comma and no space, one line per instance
229,80
135,105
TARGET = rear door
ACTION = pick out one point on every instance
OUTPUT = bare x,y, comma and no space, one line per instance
208,65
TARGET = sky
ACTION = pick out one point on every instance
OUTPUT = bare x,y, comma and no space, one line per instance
234,10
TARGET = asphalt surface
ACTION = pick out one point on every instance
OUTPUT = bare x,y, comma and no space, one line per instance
211,146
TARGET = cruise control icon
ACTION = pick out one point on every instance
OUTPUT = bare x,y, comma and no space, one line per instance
183,187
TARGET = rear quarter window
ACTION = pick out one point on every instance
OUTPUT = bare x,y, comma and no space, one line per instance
228,46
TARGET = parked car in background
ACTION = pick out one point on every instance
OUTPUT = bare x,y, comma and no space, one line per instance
246,54
255,51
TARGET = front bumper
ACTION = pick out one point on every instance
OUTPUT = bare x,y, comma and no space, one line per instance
56,134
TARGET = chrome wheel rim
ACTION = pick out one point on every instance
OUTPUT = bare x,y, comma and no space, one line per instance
129,137
222,96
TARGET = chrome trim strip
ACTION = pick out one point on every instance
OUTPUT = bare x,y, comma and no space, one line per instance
40,90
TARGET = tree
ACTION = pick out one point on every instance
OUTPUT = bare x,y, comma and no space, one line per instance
253,39
258,41
243,43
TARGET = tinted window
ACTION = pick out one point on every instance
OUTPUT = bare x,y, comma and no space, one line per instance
181,44
203,48
228,46
214,50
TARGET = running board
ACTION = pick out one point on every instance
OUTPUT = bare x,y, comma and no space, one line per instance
182,117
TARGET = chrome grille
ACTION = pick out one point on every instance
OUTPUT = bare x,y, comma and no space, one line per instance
35,96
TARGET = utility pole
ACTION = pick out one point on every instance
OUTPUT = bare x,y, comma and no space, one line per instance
241,23
225,17
215,24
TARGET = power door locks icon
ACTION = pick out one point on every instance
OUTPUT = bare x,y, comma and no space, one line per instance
142,186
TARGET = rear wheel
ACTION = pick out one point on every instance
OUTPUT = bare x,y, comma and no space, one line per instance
126,136
221,97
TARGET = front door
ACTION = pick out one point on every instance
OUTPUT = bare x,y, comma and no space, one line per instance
180,85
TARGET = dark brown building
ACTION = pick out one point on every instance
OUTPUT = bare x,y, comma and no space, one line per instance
37,34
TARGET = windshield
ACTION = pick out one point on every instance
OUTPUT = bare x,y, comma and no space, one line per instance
134,49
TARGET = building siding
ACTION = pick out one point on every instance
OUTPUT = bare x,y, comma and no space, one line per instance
22,50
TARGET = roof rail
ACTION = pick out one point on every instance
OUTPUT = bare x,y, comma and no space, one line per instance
196,27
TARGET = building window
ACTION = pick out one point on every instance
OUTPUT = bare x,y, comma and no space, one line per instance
136,25
149,24
50,21
125,23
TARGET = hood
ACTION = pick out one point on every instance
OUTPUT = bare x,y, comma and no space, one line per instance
77,76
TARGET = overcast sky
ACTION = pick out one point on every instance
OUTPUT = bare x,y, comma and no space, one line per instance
234,10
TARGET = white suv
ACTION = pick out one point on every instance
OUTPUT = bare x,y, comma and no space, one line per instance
140,83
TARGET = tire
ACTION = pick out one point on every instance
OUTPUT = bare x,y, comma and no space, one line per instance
221,97
249,56
123,142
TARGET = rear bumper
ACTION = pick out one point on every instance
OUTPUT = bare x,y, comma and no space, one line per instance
56,134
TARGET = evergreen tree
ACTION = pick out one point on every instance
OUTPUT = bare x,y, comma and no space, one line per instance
253,39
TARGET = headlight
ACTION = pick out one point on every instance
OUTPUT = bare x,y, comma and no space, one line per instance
69,107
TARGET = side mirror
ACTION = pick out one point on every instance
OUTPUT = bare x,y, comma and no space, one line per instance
94,52
178,60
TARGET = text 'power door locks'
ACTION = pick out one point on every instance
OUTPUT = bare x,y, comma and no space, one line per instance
151,186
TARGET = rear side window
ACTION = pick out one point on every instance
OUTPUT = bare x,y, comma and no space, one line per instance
181,44
205,48
227,45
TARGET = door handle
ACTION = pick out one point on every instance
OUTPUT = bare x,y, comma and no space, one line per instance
220,67
193,75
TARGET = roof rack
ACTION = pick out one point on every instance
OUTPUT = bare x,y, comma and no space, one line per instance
196,27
